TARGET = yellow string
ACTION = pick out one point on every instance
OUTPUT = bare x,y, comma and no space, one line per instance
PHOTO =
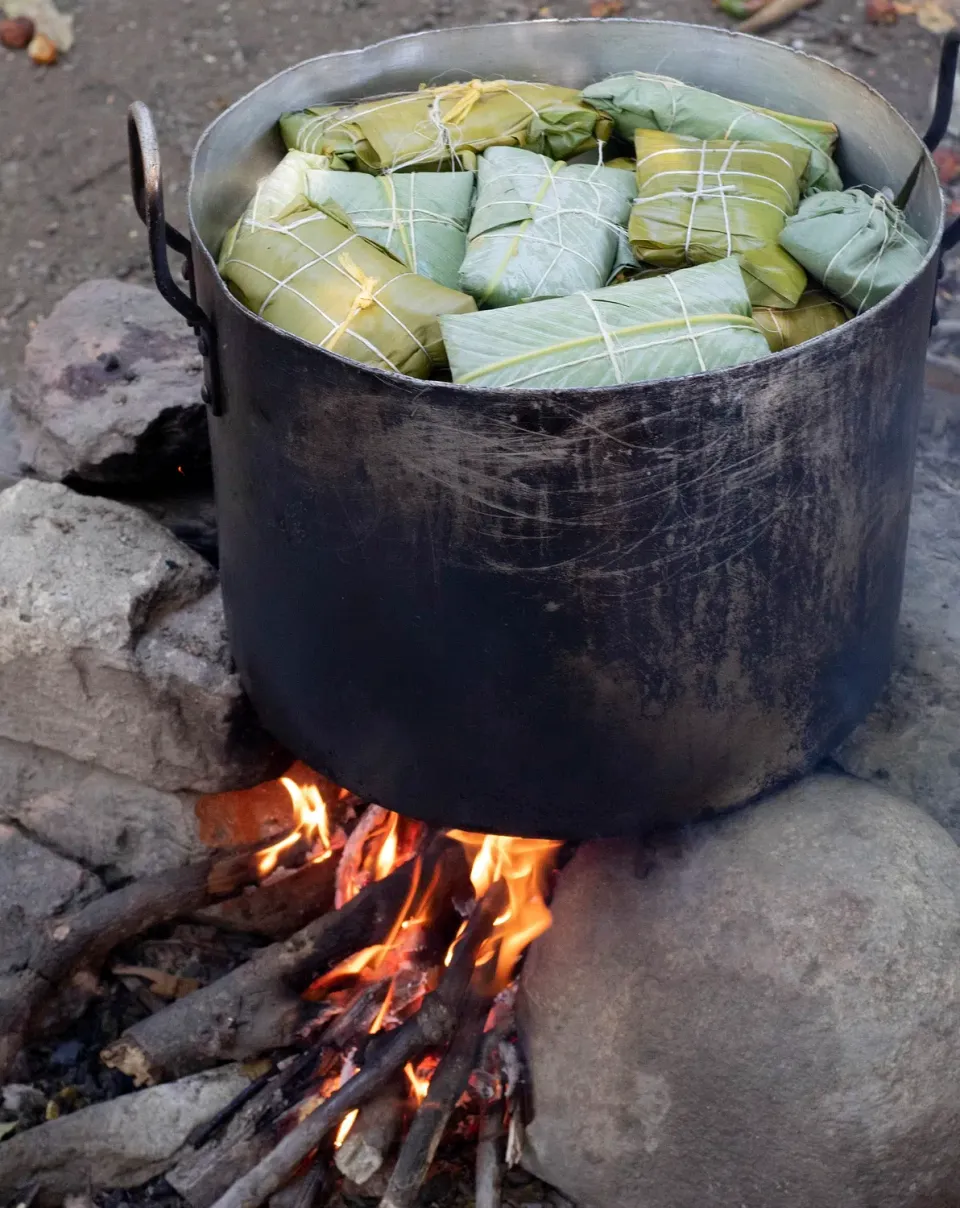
364,299
469,95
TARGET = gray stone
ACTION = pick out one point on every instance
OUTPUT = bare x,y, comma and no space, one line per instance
911,742
110,391
108,822
118,1144
759,1012
113,648
9,443
36,883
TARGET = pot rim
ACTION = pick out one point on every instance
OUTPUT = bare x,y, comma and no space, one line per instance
388,377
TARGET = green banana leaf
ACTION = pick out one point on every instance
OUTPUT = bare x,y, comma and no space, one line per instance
857,246
639,100
278,189
700,201
312,275
815,314
685,322
542,228
421,217
449,124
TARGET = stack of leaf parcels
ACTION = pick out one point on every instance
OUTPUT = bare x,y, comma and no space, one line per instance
542,228
639,101
640,229
448,125
686,322
699,201
309,273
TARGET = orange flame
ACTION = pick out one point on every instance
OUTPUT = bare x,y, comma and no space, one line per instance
312,825
418,1085
524,866
345,1125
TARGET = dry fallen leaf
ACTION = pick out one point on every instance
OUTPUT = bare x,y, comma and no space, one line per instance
932,17
163,984
948,164
606,8
47,18
881,12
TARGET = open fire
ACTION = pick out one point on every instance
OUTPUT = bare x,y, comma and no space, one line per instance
470,906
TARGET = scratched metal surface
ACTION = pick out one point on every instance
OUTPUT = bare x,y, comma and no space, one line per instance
574,613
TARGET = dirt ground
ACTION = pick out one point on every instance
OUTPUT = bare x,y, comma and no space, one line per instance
65,209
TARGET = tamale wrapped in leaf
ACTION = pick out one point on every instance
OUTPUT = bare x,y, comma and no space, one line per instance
699,201
815,314
542,228
685,322
641,101
421,217
859,247
449,124
279,188
312,275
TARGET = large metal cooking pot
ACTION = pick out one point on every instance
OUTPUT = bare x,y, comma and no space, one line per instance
559,612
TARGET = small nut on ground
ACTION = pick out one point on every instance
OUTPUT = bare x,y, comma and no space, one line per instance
42,50
16,32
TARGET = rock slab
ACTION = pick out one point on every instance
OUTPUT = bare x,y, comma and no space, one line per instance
110,391
108,822
113,649
911,742
36,883
761,1012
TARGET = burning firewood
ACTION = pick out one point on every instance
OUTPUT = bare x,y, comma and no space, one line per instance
372,1135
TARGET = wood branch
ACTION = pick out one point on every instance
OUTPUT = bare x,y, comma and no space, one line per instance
257,1007
489,1178
772,14
372,818
55,968
374,1131
429,1124
306,1189
431,1026
280,906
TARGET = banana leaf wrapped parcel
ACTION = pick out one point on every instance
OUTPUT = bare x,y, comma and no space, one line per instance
542,228
681,323
420,217
448,125
815,314
704,200
859,247
312,275
641,101
279,188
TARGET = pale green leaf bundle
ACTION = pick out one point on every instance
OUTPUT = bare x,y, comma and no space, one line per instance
448,125
699,201
858,247
542,228
815,314
686,322
640,101
313,276
421,217
278,189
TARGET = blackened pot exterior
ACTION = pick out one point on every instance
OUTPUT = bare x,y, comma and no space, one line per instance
568,613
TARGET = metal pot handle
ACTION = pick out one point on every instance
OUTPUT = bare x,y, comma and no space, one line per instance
146,185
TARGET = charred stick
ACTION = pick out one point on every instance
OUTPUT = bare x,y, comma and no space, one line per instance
429,1124
305,1189
489,1179
280,906
56,969
257,1007
372,818
374,1131
431,1026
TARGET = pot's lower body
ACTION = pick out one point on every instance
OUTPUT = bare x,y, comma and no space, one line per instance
572,615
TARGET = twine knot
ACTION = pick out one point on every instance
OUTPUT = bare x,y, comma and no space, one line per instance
365,298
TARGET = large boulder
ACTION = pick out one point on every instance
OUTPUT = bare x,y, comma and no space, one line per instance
108,822
113,648
37,883
759,1012
110,390
911,741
